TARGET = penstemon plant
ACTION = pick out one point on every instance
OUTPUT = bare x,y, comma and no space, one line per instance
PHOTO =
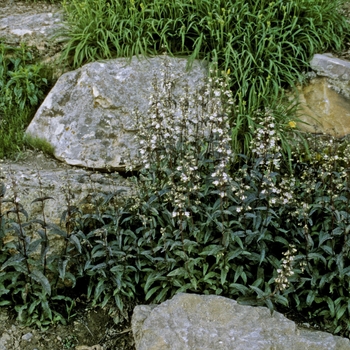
203,219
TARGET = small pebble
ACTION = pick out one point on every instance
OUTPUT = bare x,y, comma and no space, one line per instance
27,336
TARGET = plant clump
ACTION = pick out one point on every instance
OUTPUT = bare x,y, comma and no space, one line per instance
204,219
23,85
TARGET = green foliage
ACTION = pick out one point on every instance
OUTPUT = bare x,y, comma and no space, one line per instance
29,275
207,221
203,220
69,342
265,45
39,144
23,85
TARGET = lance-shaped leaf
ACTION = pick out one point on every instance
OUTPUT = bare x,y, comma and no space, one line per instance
13,261
41,199
39,277
75,240
57,230
20,209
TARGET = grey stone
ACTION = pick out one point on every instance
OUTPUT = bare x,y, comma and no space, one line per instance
28,336
89,114
4,340
206,322
331,67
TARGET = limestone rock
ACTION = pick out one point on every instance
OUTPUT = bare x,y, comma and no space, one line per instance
328,66
324,109
89,114
191,322
325,100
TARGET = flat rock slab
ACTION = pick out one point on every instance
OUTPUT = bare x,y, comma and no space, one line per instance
32,29
89,115
207,322
328,66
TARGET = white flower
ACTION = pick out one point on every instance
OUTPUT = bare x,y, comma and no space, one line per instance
184,177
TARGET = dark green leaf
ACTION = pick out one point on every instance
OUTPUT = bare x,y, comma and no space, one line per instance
38,276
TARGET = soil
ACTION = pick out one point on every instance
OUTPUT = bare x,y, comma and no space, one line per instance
91,329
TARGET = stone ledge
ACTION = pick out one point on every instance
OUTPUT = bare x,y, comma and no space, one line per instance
331,67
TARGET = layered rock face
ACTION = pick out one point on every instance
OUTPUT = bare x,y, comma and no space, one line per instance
89,115
207,322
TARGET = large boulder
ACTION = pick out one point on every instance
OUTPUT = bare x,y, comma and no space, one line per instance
208,322
89,115
325,100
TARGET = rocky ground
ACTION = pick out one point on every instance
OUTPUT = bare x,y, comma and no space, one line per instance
15,7
91,329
